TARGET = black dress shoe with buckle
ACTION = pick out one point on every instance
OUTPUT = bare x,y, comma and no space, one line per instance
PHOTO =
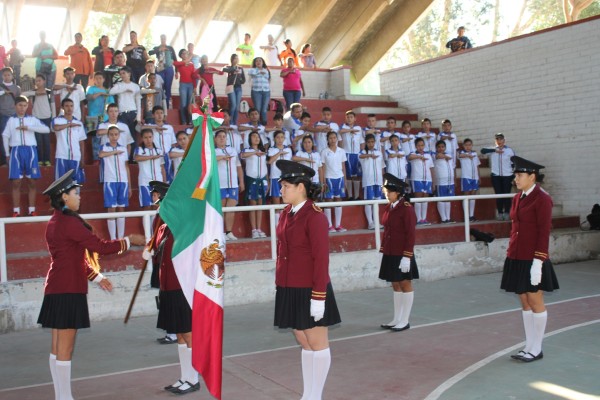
532,358
519,355
174,386
405,327
189,389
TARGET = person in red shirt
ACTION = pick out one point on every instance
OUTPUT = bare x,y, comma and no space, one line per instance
304,299
187,76
206,78
528,271
74,249
398,263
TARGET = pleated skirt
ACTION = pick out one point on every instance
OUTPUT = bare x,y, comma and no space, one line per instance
64,311
516,277
292,308
174,312
390,269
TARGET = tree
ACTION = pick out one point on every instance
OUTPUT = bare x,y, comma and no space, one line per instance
102,24
573,8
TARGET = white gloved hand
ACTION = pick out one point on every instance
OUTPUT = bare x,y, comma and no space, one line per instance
405,264
536,272
146,255
317,309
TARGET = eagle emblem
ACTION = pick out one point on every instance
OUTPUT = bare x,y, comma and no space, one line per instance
210,257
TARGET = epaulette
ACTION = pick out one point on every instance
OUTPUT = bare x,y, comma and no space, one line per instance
317,208
407,204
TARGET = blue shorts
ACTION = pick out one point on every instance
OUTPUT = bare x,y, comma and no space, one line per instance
353,168
372,192
421,187
169,168
23,163
408,170
275,188
145,195
445,190
256,189
116,194
63,166
335,188
230,193
469,184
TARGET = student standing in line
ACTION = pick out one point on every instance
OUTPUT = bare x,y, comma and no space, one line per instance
256,180
444,180
352,143
151,167
70,142
502,173
334,171
279,151
371,161
422,167
231,178
469,169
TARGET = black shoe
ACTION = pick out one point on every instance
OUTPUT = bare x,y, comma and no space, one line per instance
532,358
518,355
174,386
406,327
166,340
191,388
386,326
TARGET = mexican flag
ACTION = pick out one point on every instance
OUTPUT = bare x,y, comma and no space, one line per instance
192,210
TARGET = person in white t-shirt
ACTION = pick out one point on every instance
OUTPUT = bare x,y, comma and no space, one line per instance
303,131
390,129
70,142
309,157
371,161
279,151
234,139
278,126
230,178
395,159
334,160
444,179
372,129
352,143
271,53
407,142
469,174
421,179
256,180
450,138
151,167
164,138
427,135
177,151
71,90
322,129
291,119
253,124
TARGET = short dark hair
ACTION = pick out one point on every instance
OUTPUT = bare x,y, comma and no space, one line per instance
391,118
252,109
369,136
68,69
371,116
305,115
278,116
112,105
179,133
156,108
21,99
126,69
467,140
418,140
446,121
7,69
425,120
66,100
325,109
440,142
41,76
98,73
145,130
406,122
350,112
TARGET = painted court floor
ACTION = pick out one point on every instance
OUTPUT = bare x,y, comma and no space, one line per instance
463,331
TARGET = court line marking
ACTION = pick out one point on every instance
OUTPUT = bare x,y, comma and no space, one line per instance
296,346
440,390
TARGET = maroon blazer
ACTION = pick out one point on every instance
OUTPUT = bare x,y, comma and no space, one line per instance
167,276
67,240
303,250
531,222
399,227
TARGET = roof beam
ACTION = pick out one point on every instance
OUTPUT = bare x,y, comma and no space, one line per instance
13,13
79,11
343,36
141,16
300,29
405,16
197,16
257,16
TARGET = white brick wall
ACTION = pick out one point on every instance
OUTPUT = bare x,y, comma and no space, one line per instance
542,91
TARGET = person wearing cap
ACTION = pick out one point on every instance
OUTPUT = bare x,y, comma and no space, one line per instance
502,173
528,271
304,299
398,264
74,250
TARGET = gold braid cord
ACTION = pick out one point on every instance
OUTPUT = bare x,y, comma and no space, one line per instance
92,259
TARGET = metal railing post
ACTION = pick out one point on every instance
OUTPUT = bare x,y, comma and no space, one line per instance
147,229
377,226
3,269
467,221
273,234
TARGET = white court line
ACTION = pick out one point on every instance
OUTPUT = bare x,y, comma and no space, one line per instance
480,364
296,346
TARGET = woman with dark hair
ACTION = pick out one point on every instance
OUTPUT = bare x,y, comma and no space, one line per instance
256,180
165,56
288,52
528,271
398,264
74,250
307,57
293,86
304,299
261,87
206,79
187,78
235,80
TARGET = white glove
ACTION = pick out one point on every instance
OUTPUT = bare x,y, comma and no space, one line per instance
405,264
146,255
317,309
536,272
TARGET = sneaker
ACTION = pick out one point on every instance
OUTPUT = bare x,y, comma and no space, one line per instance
16,214
371,227
230,236
255,234
166,340
331,229
505,217
33,214
262,234
41,163
472,219
47,164
450,221
426,223
340,229
499,217
419,222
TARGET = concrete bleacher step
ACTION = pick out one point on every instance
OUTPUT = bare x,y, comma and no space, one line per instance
381,111
365,98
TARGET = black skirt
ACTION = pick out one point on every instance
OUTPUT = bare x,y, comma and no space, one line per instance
292,308
174,312
390,269
516,277
64,311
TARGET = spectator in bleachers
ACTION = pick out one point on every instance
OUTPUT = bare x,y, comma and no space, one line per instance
234,139
15,60
261,87
390,130
271,54
449,137
97,98
8,94
136,56
279,151
230,178
303,131
71,90
395,159
125,138
130,102
246,50
278,126
352,143
152,96
159,84
407,139
289,52
3,57
235,79
111,71
186,72
334,170
44,109
421,179
19,140
293,87
45,54
311,158
291,119
307,58
104,58
165,56
322,129
502,174
371,161
117,189
81,61
177,152
469,170
253,125
461,42
206,78
371,129
427,136
151,167
256,180
164,138
193,56
444,164
70,142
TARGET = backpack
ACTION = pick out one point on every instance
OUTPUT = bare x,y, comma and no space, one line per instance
244,106
276,105
594,218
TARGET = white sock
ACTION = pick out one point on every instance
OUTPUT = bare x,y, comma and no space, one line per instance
307,373
63,373
52,362
349,188
447,207
338,216
17,210
528,325
471,208
441,210
369,214
120,228
31,209
356,185
191,374
112,228
407,302
539,327
321,364
424,211
328,215
182,352
397,308
172,336
418,211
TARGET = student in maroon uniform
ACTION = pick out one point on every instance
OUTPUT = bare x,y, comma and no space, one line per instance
398,262
304,299
528,271
73,247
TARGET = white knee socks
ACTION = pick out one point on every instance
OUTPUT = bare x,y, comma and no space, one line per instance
182,352
120,228
52,362
405,308
441,206
397,308
539,327
447,208
190,374
471,208
421,211
307,373
63,373
348,184
321,364
369,214
528,325
356,185
338,216
328,215
112,228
